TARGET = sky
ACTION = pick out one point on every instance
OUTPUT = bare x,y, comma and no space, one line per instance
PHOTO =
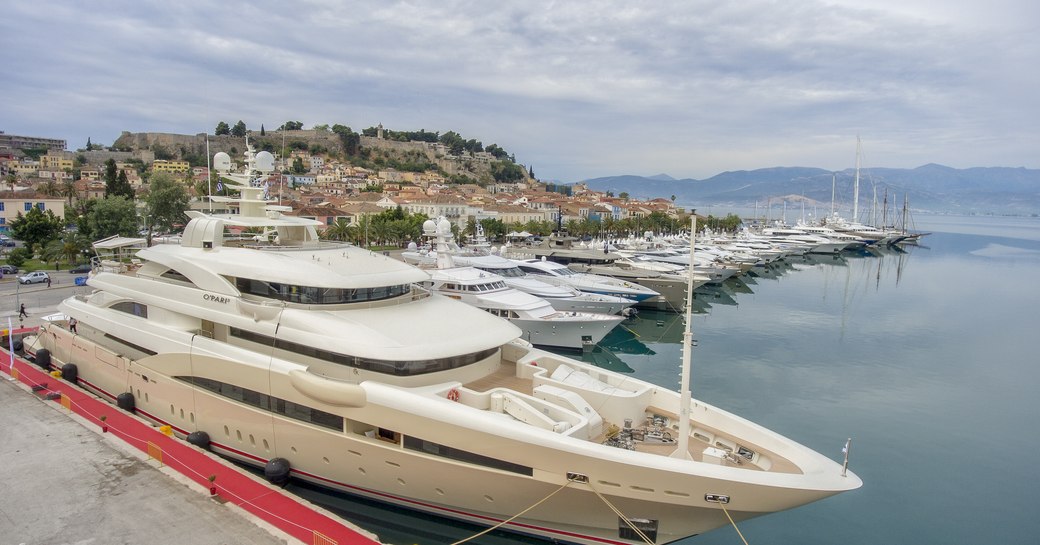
575,90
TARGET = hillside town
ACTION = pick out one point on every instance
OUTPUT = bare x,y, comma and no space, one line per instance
321,184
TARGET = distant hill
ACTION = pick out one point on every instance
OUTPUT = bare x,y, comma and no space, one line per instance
933,187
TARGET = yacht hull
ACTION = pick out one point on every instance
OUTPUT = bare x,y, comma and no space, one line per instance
390,449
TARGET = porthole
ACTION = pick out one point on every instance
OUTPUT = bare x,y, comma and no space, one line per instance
324,459
182,414
238,433
489,499
292,449
400,481
439,491
361,470
172,410
267,448
227,432
252,440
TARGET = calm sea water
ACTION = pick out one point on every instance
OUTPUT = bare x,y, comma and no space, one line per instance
927,359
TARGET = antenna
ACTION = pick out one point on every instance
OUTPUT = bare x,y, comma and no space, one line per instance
209,175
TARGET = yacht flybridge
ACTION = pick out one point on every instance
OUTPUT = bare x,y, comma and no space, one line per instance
329,358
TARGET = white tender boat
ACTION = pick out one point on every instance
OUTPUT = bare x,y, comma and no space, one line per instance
285,351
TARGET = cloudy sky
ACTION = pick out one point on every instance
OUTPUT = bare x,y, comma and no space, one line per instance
576,89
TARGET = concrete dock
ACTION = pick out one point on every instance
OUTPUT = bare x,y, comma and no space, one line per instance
66,484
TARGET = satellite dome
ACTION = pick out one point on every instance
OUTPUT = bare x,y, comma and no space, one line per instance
265,161
222,162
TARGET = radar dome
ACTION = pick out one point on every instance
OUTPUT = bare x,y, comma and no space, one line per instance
265,161
222,162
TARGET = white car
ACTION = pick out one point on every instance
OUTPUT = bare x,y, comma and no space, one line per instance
34,277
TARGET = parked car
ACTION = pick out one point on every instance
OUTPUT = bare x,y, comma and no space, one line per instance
35,277
8,269
80,269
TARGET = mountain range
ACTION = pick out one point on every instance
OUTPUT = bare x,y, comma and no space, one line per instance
937,188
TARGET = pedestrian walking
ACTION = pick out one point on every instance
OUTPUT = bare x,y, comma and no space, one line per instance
72,325
48,281
22,313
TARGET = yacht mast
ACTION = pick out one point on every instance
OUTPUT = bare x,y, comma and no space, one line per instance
682,449
855,190
833,176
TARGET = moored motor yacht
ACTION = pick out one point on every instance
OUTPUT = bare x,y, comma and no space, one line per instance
541,323
330,360
562,297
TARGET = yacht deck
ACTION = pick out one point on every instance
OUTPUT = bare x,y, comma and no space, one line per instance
505,377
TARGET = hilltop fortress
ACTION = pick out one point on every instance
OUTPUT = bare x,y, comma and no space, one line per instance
475,165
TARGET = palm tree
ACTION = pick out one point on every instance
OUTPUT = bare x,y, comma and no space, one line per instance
50,188
69,249
340,230
69,190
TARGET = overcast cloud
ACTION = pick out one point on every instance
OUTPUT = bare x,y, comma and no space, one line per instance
575,89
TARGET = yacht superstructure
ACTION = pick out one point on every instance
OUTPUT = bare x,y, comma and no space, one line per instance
330,358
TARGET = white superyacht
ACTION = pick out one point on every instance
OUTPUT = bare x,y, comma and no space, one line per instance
329,359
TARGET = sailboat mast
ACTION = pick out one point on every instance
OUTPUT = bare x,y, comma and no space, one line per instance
833,176
682,449
855,190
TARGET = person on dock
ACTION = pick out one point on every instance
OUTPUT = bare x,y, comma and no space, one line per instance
22,313
72,325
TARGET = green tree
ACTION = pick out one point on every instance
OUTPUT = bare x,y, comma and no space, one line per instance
89,145
262,133
507,172
350,140
50,188
623,195
68,190
165,204
121,187
291,126
111,175
340,230
297,166
222,129
19,256
70,248
239,129
110,216
36,227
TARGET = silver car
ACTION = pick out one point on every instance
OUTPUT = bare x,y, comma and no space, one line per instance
35,277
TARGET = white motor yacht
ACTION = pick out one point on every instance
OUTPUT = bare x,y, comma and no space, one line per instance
559,274
286,351
561,297
541,323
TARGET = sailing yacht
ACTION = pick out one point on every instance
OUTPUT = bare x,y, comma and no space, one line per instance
283,350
